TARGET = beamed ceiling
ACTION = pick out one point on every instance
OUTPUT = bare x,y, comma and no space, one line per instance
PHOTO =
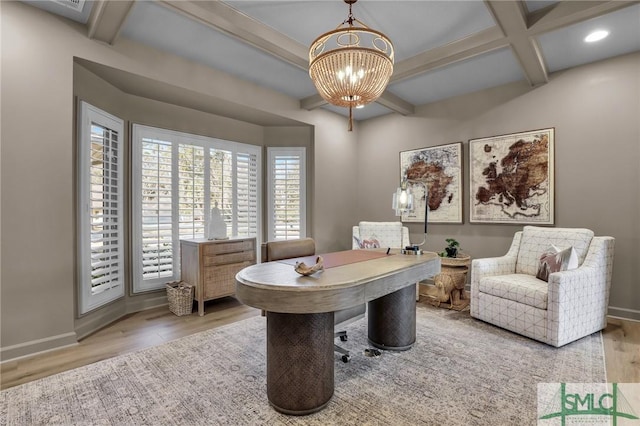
443,48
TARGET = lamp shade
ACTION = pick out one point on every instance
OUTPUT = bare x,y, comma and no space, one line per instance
402,201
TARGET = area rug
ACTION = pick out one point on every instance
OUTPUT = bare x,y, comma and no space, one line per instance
461,371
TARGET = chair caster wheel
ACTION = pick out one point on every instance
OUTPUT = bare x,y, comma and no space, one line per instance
343,338
345,358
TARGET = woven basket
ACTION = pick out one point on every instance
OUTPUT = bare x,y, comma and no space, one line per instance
180,297
461,260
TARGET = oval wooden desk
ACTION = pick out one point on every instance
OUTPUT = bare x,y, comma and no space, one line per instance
300,311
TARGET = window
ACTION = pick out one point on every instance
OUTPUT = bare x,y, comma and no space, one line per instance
177,179
100,210
287,201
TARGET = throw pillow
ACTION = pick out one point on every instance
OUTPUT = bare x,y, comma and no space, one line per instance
367,243
556,260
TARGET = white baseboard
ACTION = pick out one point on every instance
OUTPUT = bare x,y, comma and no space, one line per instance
32,347
624,313
139,305
85,327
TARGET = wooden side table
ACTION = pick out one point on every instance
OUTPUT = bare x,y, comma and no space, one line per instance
211,265
448,289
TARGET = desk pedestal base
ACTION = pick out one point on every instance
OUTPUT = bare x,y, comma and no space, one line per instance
392,320
300,361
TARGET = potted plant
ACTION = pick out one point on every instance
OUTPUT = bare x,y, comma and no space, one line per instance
451,250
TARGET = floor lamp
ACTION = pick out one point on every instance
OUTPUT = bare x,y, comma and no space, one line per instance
403,203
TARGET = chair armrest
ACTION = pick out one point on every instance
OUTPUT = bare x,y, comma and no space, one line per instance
578,299
596,270
491,266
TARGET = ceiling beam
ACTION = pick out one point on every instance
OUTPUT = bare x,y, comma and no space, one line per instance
567,13
511,17
228,20
223,17
312,102
465,48
387,100
395,103
107,19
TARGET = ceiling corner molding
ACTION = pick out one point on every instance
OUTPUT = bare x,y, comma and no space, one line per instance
567,13
107,19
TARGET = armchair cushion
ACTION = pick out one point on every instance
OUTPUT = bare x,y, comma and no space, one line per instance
520,288
556,260
536,240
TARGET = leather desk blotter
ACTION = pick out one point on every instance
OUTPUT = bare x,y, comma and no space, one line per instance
339,258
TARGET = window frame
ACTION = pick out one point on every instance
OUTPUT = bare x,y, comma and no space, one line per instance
272,153
88,115
176,138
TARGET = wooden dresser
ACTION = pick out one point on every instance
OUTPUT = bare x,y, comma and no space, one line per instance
211,265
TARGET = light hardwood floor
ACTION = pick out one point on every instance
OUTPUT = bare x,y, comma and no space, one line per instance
158,325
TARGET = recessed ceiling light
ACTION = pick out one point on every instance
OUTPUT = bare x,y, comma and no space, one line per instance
360,107
596,36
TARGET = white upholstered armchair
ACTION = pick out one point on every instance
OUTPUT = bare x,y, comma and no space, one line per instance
572,304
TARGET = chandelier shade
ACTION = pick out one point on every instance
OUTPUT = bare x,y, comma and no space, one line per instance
351,65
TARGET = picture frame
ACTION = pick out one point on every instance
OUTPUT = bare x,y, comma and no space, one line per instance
439,168
511,178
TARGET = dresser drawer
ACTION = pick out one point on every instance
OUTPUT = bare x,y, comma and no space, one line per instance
227,247
221,280
223,259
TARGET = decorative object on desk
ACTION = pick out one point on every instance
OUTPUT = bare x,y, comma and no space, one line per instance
216,229
452,248
305,270
351,65
403,201
440,169
511,178
448,290
180,297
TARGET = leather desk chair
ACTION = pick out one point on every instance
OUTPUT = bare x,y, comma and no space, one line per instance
287,249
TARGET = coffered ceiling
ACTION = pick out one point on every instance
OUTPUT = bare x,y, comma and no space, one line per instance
443,48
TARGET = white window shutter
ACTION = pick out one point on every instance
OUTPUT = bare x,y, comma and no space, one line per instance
100,215
287,189
177,179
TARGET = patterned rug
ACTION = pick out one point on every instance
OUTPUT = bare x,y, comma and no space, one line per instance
460,372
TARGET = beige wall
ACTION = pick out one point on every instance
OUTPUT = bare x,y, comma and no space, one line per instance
595,110
37,195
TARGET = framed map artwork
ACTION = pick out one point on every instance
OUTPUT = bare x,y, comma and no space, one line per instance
511,178
440,169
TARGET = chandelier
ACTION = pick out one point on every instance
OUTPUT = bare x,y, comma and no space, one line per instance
351,65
